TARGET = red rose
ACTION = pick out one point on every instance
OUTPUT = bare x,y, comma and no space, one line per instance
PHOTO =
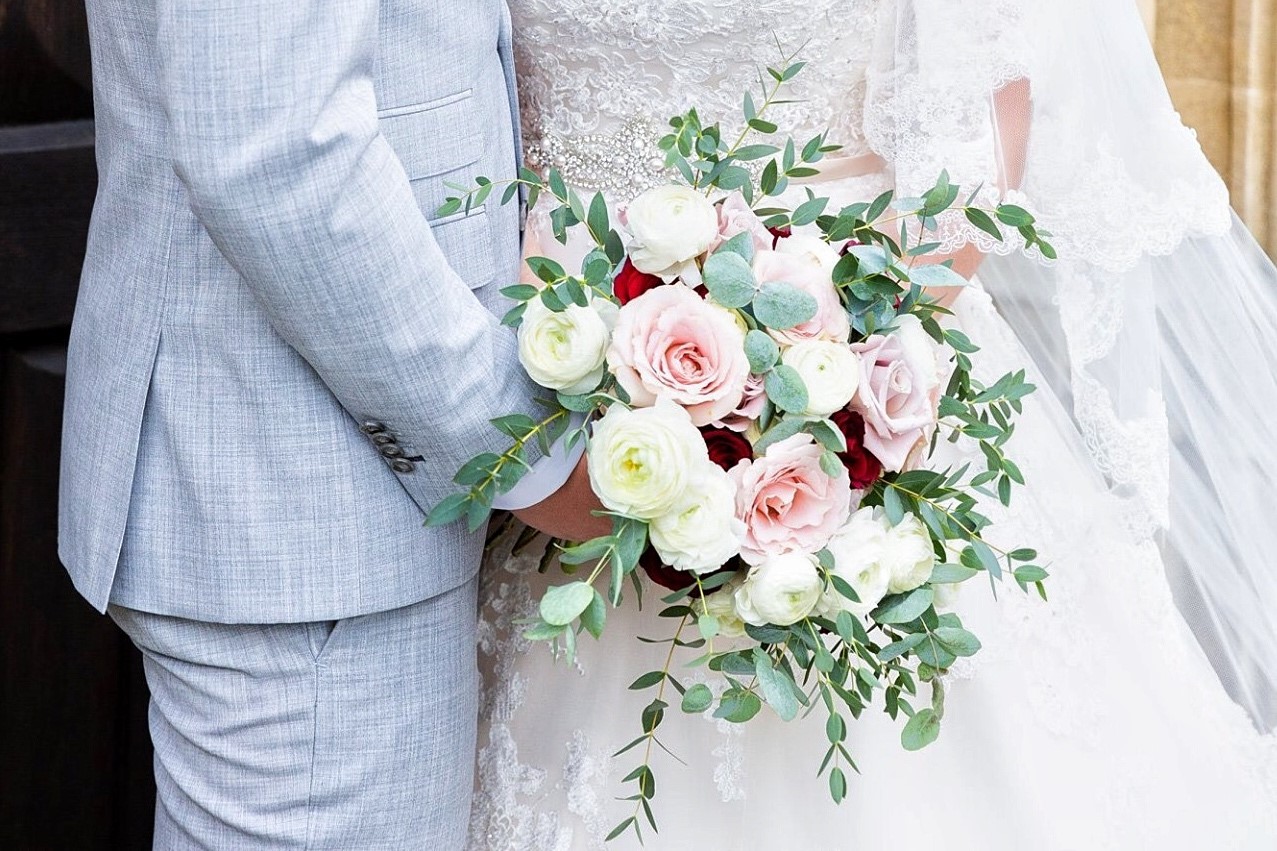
863,468
726,447
664,575
630,283
677,580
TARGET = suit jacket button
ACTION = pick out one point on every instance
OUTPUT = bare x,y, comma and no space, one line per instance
399,465
383,438
372,427
391,450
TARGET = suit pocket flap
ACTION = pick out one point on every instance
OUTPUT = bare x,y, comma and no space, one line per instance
433,138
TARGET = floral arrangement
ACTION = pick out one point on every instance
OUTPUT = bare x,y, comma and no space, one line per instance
767,390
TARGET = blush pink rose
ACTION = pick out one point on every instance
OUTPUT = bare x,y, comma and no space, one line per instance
899,392
787,502
749,408
805,272
669,343
736,217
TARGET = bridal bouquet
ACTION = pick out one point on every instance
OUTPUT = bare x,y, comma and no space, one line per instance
768,389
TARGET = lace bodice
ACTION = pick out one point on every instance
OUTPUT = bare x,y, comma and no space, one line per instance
601,77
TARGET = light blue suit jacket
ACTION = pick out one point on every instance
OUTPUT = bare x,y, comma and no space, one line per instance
280,355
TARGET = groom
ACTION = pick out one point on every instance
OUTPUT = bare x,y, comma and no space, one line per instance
280,356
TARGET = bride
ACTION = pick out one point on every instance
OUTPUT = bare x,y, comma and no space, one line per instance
1109,717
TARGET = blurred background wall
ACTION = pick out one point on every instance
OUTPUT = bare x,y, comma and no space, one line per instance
1220,62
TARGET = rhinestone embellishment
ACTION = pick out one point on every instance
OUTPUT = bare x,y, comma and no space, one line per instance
625,162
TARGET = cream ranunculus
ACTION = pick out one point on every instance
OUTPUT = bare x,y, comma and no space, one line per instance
858,549
781,591
670,226
641,461
830,370
811,248
721,604
702,531
567,351
908,554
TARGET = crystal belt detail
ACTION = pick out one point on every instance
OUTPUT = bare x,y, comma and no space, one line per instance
623,163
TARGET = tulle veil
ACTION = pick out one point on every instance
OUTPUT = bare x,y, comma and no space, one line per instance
1157,325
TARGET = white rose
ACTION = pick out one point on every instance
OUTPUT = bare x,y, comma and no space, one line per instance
721,604
812,248
907,553
702,531
830,370
858,549
670,226
641,460
782,590
567,351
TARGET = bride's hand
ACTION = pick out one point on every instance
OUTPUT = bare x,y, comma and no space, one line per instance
567,513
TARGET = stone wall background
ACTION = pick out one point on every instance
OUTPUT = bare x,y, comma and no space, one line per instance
1220,62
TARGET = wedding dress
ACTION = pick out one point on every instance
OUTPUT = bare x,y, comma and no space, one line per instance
1096,720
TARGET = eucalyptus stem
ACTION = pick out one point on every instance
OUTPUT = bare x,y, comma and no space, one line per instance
512,454
947,513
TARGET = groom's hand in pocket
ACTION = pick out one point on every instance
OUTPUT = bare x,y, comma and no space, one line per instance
566,513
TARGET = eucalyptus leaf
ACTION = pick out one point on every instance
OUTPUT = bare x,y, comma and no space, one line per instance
775,687
729,279
742,244
779,305
595,616
871,258
563,604
738,706
957,640
785,387
902,608
944,574
762,352
936,275
893,505
697,699
923,729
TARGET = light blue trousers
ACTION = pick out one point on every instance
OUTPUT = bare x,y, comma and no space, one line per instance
350,734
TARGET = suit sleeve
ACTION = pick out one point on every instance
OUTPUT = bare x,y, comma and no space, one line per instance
274,134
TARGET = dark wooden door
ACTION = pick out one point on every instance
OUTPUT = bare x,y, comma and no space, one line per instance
74,754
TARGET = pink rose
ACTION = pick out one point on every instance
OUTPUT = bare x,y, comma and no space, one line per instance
735,217
749,408
899,392
787,502
804,271
670,343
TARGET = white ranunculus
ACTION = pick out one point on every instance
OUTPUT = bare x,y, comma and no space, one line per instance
567,351
830,370
702,531
781,591
641,461
858,550
669,227
721,604
907,553
811,247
